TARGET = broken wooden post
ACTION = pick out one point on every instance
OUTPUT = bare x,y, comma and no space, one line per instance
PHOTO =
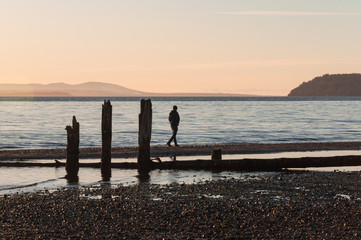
144,136
72,151
217,155
106,140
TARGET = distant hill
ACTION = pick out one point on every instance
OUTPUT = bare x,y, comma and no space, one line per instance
66,90
89,89
330,85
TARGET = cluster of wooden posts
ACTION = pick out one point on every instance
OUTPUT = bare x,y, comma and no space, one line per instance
144,137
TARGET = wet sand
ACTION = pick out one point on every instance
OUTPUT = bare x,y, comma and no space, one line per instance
183,150
288,205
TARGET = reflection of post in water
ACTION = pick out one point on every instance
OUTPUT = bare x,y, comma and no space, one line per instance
143,177
106,193
72,152
144,136
106,141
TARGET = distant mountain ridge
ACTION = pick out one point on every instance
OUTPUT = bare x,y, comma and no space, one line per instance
335,85
66,90
88,89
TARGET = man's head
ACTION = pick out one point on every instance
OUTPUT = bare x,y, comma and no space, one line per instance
175,107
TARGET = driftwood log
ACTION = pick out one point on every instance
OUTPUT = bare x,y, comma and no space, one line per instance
276,164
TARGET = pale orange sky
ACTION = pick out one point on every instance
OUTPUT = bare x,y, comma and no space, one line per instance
264,47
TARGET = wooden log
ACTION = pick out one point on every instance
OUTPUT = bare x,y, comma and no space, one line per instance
144,137
106,140
72,151
276,164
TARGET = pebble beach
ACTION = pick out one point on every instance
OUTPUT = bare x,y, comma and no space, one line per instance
288,205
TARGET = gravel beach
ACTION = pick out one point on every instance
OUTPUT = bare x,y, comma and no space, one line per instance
287,205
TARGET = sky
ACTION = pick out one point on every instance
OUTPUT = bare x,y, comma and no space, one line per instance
262,47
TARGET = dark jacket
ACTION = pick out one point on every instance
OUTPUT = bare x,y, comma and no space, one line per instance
174,118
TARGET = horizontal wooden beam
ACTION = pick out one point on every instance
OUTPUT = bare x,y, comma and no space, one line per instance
225,165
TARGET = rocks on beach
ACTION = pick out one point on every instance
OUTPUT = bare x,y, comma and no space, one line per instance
288,205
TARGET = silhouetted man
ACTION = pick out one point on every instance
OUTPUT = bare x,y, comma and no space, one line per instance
174,122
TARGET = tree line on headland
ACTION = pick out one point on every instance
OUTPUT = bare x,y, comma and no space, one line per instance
334,85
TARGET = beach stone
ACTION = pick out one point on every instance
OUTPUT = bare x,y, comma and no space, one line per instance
261,207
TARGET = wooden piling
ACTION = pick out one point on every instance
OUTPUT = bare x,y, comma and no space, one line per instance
106,140
72,151
144,137
217,155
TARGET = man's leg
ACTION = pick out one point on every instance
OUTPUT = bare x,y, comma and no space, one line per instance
175,130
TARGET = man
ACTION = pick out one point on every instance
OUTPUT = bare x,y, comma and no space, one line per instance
174,122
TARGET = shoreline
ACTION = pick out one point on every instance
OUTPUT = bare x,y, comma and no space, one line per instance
183,150
288,205
285,205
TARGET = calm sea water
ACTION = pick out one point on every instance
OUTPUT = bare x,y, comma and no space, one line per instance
40,122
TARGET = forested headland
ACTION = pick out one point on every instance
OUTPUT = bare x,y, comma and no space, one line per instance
330,85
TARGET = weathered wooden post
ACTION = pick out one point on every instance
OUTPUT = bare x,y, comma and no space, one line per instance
72,151
217,155
144,136
106,141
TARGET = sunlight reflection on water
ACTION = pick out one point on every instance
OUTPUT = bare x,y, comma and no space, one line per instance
31,179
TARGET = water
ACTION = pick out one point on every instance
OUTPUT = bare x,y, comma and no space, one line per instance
28,123
40,122
31,179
